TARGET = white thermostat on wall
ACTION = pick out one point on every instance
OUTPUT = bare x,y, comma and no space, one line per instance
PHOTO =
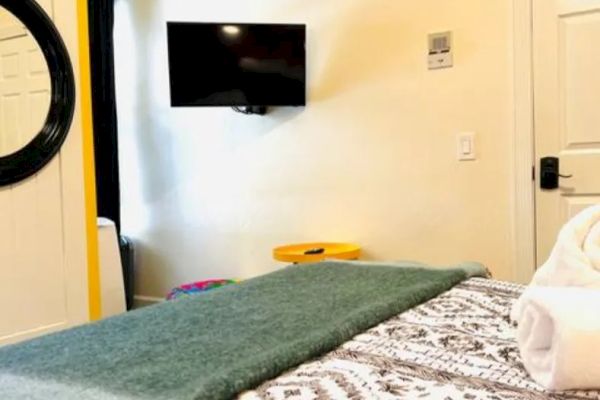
440,50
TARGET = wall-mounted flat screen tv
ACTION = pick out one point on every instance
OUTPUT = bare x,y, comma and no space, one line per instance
230,64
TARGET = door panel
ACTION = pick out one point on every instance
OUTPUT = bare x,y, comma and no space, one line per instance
579,60
24,92
9,27
567,118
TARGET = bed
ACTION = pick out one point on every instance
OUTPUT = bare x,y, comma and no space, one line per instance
459,345
325,331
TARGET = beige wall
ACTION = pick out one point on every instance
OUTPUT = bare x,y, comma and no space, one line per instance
371,159
43,247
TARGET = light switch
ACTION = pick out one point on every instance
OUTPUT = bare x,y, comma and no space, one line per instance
466,146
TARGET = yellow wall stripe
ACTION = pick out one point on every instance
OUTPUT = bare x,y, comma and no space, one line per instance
85,96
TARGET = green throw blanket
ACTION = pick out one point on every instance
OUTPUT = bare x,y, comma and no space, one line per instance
216,345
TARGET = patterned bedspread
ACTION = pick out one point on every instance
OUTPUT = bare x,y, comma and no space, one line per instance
457,346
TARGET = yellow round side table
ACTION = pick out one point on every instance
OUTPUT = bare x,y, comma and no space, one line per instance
315,252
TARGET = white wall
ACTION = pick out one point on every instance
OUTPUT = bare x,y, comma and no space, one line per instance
43,242
371,159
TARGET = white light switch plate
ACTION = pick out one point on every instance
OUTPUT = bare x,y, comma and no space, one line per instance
465,146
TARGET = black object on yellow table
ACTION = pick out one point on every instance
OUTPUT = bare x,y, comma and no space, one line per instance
315,252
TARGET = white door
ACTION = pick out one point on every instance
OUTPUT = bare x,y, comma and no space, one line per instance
567,110
41,288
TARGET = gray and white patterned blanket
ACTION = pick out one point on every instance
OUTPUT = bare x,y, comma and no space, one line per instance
460,345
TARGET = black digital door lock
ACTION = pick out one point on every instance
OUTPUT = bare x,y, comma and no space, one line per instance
549,173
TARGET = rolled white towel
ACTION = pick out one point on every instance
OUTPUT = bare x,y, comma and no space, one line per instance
559,337
575,258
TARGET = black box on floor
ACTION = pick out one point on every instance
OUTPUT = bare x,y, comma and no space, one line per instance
128,263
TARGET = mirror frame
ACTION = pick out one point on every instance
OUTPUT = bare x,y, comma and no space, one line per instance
45,145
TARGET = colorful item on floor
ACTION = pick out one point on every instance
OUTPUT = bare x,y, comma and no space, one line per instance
195,288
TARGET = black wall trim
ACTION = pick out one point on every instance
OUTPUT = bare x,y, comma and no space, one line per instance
35,155
106,145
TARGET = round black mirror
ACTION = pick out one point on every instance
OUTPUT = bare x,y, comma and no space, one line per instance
37,90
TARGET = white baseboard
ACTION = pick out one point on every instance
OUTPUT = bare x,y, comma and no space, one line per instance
145,301
30,334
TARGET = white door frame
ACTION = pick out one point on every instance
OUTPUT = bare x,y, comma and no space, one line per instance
524,262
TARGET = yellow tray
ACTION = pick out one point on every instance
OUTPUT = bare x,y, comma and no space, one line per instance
295,253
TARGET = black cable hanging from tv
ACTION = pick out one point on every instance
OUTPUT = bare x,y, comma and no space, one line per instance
251,110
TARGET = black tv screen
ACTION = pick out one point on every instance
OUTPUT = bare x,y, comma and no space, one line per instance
237,64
